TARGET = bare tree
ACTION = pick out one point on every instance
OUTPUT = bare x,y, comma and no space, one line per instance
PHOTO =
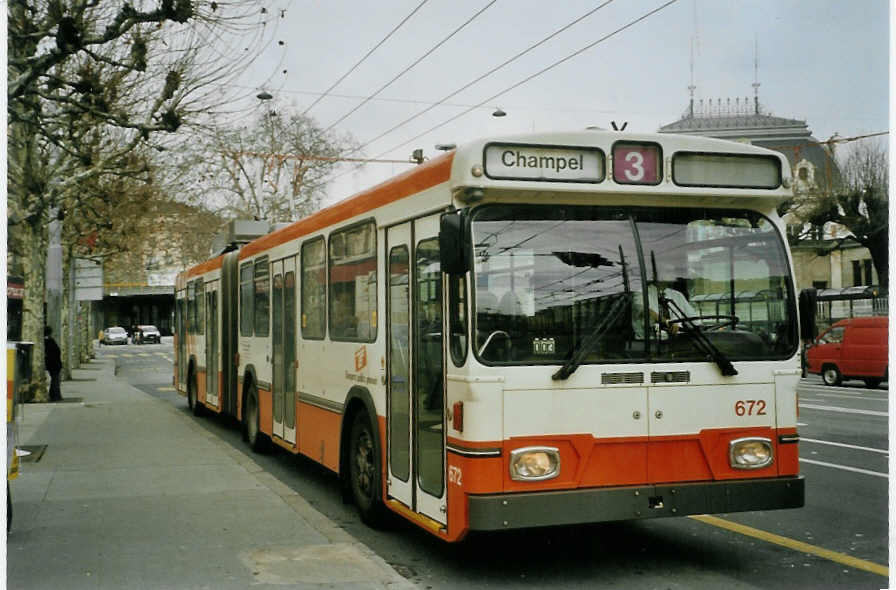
90,82
860,204
274,168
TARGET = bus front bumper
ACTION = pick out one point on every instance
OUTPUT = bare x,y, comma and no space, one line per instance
534,509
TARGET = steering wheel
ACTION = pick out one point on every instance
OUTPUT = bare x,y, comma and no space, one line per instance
496,334
723,321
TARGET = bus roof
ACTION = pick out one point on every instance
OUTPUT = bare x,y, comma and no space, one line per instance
467,167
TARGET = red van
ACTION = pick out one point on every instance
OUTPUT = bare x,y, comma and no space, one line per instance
855,348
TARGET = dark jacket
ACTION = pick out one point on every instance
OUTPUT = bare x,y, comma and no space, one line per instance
52,354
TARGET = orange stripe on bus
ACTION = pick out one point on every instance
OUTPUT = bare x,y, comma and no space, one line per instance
318,434
588,461
204,267
424,176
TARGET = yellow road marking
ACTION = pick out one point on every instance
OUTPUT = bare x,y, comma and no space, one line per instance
841,558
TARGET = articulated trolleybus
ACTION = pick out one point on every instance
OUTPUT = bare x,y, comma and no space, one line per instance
525,331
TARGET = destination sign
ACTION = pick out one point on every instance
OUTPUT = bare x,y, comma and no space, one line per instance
547,163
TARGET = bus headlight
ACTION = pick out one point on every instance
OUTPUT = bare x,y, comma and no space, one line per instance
534,463
750,453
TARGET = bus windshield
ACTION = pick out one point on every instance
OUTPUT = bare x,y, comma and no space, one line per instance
554,282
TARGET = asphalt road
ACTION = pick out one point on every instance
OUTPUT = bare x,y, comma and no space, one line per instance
838,540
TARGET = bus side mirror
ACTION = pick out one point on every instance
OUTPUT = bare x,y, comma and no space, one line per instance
807,307
454,249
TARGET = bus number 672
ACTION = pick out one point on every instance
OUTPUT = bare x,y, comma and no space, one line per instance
749,407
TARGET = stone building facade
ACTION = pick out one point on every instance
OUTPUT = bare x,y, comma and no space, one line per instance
826,260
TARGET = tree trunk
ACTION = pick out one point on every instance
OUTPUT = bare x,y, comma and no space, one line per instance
32,243
878,245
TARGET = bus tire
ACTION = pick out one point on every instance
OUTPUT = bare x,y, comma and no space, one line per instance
364,471
830,374
872,382
193,397
258,441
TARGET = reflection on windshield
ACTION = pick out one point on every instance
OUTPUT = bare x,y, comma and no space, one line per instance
548,278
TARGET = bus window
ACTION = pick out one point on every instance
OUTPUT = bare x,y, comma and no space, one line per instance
353,283
200,307
314,289
191,307
246,299
429,372
722,272
538,298
262,296
399,364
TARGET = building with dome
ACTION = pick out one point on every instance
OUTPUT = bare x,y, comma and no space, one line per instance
824,260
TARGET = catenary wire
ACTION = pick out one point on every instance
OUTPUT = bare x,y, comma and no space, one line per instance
486,74
533,76
366,55
408,68
506,90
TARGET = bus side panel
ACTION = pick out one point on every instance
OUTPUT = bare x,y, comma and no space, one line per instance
200,381
788,454
318,434
265,410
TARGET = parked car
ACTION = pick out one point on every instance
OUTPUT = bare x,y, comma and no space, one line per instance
854,348
146,334
115,335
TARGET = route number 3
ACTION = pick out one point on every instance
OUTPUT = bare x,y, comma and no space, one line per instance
635,163
750,407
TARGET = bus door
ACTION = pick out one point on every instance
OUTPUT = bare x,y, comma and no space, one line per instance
283,335
211,344
415,359
180,338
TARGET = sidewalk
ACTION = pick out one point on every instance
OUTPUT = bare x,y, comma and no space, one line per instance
130,494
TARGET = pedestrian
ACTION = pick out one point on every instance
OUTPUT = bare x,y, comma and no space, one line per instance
53,362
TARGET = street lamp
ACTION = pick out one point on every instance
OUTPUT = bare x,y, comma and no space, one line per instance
499,112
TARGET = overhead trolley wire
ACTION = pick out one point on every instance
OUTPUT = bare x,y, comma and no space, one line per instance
535,75
366,55
407,69
485,75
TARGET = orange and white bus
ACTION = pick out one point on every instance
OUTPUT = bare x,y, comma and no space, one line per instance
468,344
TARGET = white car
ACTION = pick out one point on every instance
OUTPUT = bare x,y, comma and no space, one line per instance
115,335
145,334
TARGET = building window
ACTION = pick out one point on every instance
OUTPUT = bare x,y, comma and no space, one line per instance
869,279
819,285
856,272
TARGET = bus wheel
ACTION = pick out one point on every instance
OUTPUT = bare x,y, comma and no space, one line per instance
257,440
831,375
872,382
364,471
192,396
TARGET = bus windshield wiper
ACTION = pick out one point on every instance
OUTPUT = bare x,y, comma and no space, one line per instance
592,339
701,342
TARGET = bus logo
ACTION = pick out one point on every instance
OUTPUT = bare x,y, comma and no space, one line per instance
360,358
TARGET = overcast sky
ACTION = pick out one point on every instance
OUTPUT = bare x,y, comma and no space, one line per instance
822,61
